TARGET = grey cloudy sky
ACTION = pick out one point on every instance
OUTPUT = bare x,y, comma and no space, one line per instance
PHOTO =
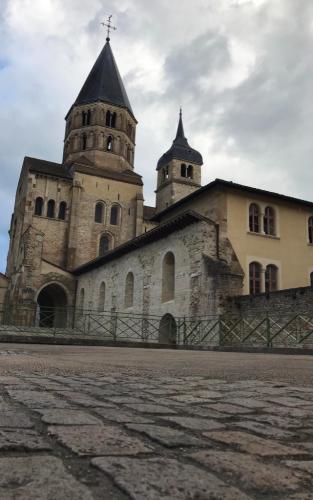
241,69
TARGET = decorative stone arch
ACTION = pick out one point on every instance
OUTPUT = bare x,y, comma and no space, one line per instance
167,330
52,300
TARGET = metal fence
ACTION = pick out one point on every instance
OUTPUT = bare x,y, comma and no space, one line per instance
254,330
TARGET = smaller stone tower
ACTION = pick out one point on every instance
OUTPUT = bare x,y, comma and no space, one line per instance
179,171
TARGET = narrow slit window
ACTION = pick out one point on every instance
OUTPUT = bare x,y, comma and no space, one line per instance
114,215
51,209
99,210
129,290
168,277
38,206
62,210
310,229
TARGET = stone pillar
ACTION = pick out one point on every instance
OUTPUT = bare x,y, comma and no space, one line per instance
139,214
73,224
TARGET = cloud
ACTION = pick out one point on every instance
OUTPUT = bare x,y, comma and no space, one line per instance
242,69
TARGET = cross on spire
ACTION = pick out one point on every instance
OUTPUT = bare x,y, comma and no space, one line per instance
109,26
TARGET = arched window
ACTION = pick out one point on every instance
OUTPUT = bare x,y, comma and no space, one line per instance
168,277
311,279
99,211
81,298
114,215
88,118
269,221
189,172
310,229
38,206
110,143
62,210
254,218
255,277
183,170
165,172
104,244
51,209
84,142
101,297
271,274
84,118
108,119
129,290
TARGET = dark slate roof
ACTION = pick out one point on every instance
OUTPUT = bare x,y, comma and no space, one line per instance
46,167
125,176
4,276
148,212
180,149
104,82
222,184
161,231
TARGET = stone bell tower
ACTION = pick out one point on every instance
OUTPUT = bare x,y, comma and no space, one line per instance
101,125
179,171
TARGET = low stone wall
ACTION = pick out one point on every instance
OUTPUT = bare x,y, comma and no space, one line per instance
286,302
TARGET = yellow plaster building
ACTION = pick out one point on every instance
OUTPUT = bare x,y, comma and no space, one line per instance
271,234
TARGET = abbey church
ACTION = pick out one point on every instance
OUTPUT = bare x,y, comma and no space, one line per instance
81,235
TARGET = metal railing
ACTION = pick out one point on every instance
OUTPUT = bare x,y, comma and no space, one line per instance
253,330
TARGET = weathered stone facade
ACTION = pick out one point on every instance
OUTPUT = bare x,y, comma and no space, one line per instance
205,269
55,226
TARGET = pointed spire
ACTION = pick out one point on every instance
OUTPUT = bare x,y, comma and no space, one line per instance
180,148
180,129
104,82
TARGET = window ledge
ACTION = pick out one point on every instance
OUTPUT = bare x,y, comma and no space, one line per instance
270,236
167,301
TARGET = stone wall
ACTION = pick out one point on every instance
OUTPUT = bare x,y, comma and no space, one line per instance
201,277
286,302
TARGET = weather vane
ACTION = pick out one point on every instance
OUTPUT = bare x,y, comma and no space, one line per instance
109,26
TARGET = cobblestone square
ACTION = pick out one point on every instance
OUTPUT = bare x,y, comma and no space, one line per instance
117,423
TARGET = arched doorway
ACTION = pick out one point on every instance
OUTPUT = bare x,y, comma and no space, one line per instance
52,302
167,330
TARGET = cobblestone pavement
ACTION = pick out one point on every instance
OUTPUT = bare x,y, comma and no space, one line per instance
101,430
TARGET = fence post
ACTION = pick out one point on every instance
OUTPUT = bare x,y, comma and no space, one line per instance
268,330
220,333
184,331
114,325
